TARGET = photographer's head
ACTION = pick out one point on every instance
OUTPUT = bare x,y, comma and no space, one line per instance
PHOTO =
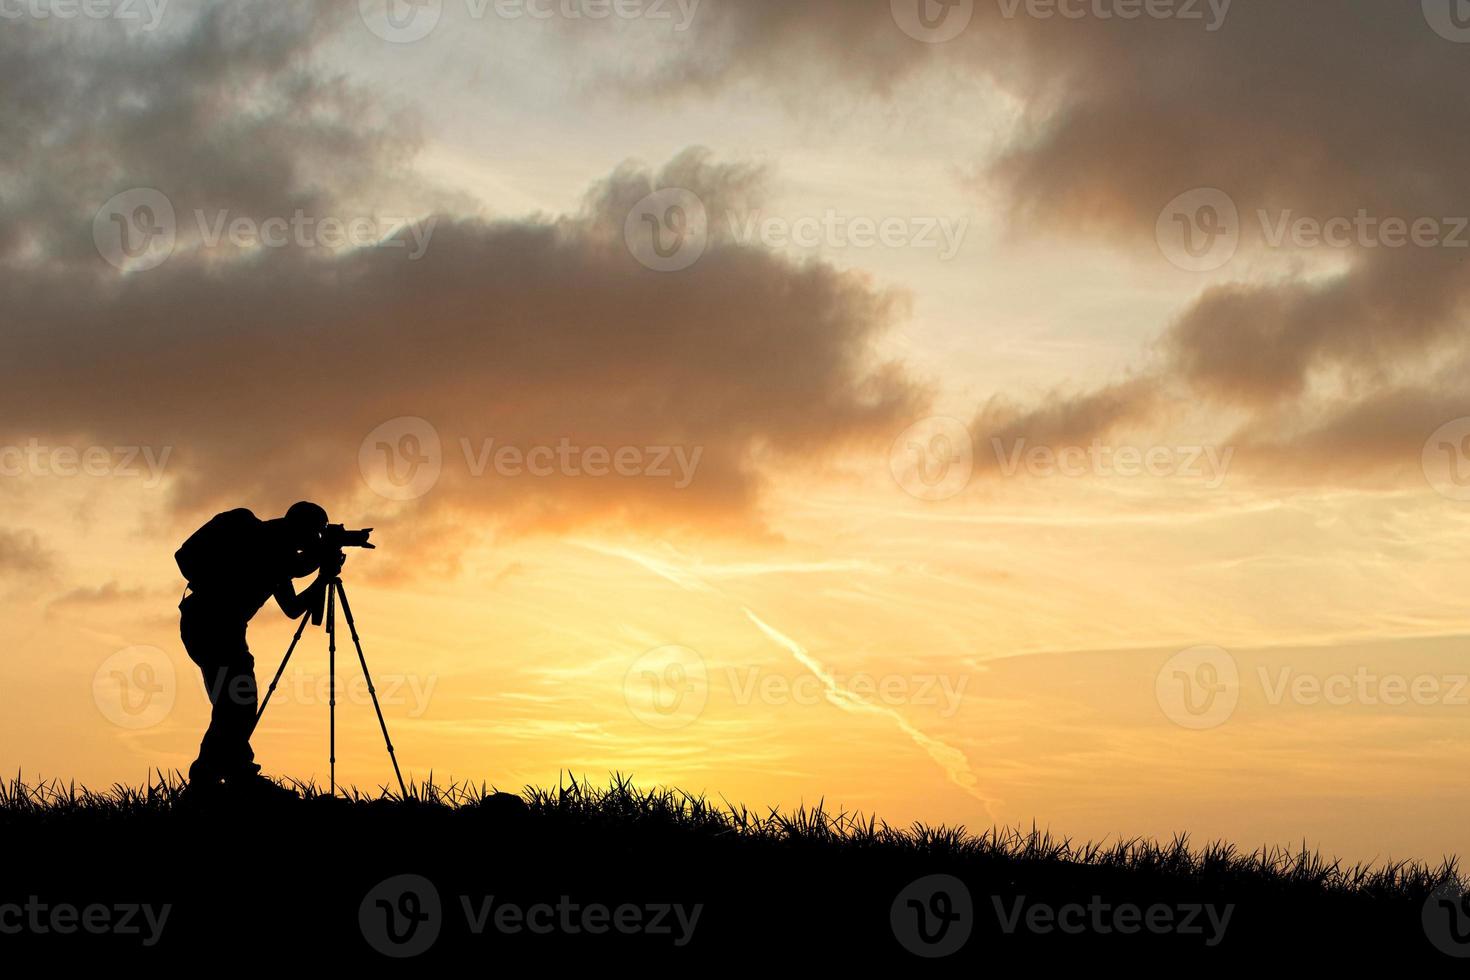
305,522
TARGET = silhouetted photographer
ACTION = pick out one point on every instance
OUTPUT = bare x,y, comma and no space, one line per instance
234,564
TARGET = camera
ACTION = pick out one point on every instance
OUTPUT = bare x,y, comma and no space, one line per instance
336,537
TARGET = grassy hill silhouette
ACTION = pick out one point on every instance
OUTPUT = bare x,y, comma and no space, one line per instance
583,873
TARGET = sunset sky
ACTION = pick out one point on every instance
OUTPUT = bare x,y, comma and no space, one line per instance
986,412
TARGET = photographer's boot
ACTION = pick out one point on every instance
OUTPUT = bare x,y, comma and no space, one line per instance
254,786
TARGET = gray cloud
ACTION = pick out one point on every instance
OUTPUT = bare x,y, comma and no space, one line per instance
264,371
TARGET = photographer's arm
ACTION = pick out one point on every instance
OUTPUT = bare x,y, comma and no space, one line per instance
295,605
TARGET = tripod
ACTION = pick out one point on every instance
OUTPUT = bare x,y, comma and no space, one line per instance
335,593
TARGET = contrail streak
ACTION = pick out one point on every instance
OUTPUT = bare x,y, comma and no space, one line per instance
951,759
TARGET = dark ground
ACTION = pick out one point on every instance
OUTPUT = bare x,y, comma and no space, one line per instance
318,881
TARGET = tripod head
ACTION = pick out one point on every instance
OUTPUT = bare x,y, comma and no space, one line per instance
323,587
334,540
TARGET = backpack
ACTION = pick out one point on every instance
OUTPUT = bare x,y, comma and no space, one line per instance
213,554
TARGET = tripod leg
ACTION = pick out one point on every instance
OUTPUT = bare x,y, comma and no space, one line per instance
361,659
332,682
279,671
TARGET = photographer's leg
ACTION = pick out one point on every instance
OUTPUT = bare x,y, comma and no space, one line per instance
208,767
242,701
229,680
